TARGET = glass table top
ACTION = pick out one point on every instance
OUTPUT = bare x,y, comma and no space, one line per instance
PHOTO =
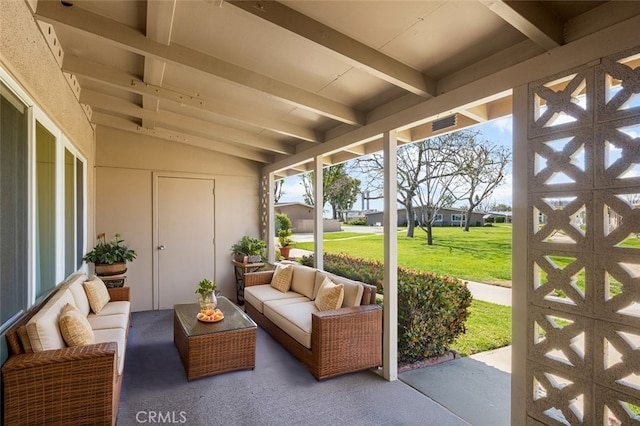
234,318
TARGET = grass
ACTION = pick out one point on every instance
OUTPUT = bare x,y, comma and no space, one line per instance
488,327
483,254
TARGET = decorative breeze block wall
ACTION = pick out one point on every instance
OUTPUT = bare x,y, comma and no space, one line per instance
583,352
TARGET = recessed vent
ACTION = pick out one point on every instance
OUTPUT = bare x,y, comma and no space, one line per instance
444,123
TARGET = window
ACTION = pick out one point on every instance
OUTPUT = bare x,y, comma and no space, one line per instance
438,217
457,217
14,255
42,194
45,232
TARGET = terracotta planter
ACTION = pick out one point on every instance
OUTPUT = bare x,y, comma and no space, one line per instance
113,269
284,252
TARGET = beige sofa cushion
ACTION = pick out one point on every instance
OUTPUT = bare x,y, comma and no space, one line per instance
304,279
114,308
281,279
44,333
117,335
103,322
258,294
75,329
329,296
294,318
352,289
97,294
79,295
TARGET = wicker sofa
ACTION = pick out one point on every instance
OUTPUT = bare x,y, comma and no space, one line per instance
328,342
45,382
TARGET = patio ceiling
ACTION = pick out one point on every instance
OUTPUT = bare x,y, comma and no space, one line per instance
274,81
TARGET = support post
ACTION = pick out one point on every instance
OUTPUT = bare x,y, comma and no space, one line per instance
270,226
519,262
390,340
318,228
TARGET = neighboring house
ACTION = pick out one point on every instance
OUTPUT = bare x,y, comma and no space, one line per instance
444,217
494,215
301,216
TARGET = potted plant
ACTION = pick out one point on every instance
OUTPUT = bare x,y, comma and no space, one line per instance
252,248
110,257
206,295
285,242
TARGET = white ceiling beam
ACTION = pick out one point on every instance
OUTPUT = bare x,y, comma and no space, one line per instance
113,77
209,144
599,18
160,16
128,38
183,123
531,19
479,113
491,87
355,53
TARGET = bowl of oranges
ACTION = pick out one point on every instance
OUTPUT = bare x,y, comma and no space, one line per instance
210,315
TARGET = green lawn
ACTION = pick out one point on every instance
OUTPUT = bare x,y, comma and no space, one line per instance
488,327
483,254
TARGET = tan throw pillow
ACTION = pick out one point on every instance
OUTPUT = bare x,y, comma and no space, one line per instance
74,327
330,295
97,294
281,279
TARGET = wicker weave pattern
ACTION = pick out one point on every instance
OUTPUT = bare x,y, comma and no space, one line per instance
215,353
343,340
119,294
69,386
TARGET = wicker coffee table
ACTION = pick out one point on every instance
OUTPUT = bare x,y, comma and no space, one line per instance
214,348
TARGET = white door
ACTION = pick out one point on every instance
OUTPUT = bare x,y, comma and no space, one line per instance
185,239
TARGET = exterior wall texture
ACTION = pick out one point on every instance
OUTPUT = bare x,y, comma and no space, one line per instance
583,323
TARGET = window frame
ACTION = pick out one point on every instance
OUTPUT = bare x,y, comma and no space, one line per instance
36,114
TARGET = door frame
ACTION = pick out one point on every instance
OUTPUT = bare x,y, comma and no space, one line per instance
155,287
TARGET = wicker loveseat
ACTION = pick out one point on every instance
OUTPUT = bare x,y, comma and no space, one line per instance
45,382
328,342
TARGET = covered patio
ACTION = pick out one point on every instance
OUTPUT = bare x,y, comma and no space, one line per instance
181,115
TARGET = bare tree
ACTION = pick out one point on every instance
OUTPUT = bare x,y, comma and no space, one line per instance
437,190
482,166
411,173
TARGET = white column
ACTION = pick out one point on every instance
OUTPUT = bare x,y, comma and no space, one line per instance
318,229
390,221
519,261
270,217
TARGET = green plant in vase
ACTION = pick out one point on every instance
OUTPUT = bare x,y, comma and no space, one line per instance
207,296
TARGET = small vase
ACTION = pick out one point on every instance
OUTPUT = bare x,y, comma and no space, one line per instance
208,302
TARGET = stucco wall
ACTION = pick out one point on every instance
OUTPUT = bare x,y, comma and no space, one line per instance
125,163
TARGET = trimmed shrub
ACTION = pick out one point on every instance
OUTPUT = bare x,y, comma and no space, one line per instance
432,309
500,219
282,221
357,221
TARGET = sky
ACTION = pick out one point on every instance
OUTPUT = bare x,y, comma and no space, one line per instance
497,131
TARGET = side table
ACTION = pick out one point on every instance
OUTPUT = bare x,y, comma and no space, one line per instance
241,268
113,280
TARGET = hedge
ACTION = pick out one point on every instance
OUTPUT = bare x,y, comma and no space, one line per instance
432,309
